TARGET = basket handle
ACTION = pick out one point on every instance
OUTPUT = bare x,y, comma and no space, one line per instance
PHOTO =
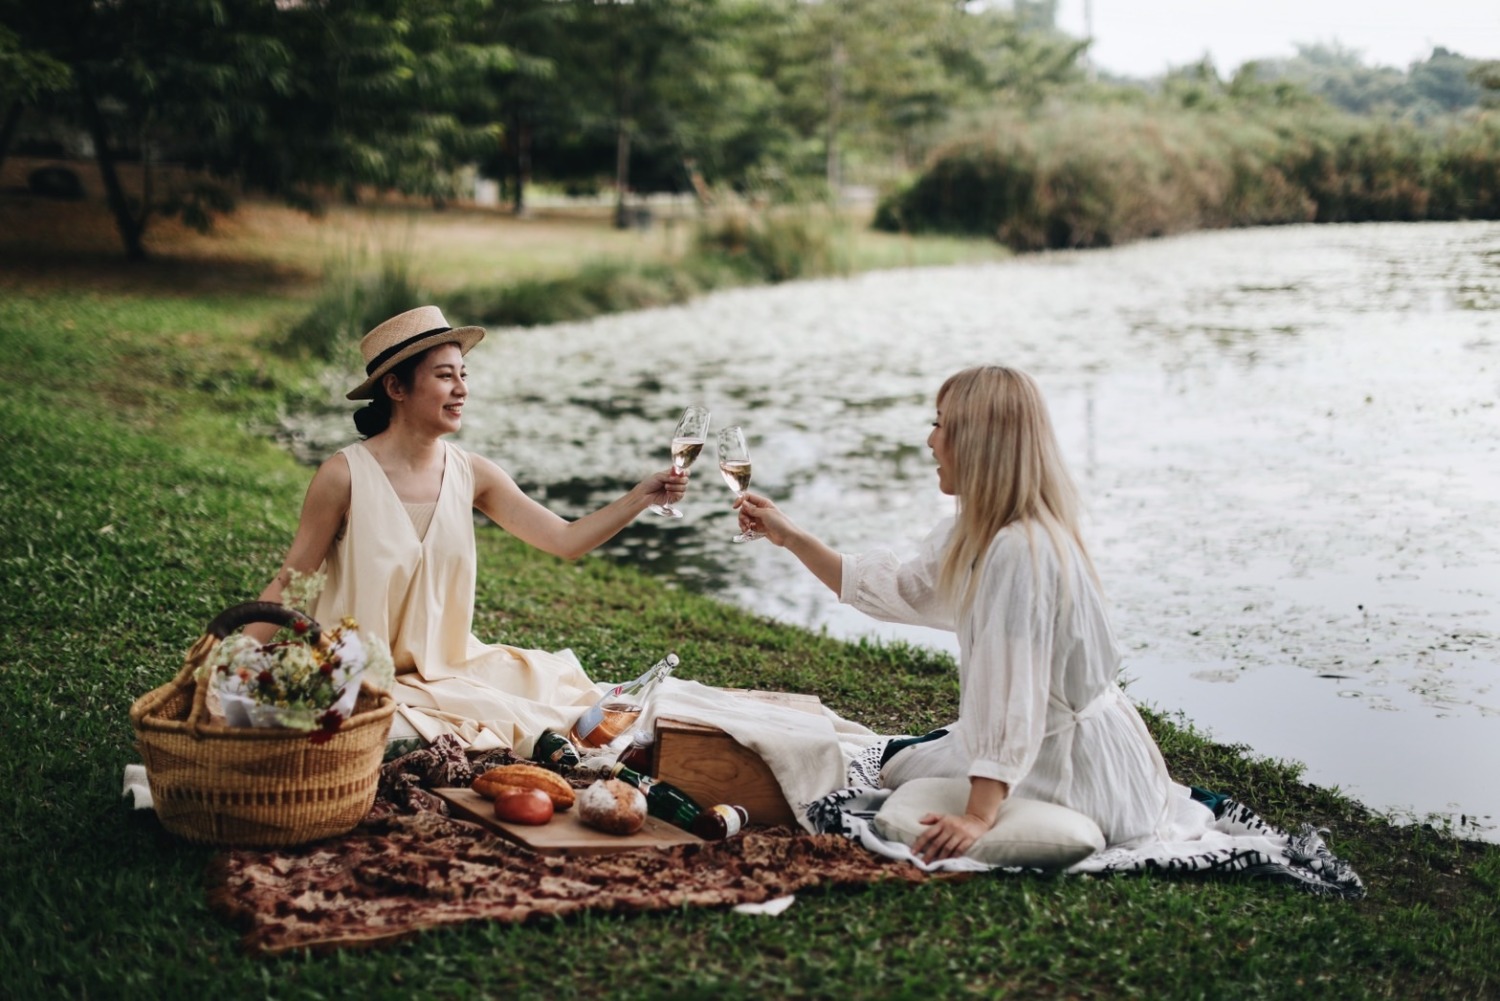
227,622
235,616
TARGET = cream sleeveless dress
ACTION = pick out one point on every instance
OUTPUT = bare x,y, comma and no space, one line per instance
418,592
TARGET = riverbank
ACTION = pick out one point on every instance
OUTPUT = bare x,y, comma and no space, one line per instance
142,494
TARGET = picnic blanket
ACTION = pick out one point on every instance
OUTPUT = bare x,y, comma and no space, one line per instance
408,873
410,867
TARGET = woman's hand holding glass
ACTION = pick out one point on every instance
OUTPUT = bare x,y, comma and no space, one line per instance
687,441
665,488
734,466
758,516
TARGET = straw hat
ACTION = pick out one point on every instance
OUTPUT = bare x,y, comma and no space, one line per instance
402,336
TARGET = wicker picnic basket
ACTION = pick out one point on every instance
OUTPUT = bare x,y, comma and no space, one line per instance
252,787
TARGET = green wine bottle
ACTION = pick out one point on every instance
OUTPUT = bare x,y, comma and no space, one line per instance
663,800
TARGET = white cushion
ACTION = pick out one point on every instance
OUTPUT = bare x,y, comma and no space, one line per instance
1027,832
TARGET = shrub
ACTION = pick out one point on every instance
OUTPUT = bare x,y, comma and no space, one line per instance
1096,176
777,245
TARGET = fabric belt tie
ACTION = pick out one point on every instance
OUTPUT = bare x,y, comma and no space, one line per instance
1061,716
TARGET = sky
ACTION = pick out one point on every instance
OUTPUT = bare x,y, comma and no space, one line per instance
1142,38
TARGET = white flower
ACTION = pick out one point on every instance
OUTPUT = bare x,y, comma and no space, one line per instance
293,683
380,669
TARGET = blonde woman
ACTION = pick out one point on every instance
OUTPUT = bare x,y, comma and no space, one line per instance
390,521
1040,713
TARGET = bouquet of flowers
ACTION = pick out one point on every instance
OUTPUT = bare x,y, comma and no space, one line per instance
294,683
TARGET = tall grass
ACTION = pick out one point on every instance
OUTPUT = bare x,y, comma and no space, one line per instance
357,294
1096,176
729,249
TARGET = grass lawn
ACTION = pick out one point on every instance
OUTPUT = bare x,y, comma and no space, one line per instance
139,497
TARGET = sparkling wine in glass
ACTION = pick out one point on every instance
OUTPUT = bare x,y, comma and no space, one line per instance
687,441
734,466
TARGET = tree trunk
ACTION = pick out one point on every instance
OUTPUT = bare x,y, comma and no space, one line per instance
132,230
622,144
833,170
522,132
622,174
8,129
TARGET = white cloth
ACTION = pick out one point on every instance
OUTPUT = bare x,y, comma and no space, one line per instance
808,753
138,788
417,591
1229,839
1039,703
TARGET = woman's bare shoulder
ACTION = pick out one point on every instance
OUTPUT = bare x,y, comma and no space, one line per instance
484,466
333,478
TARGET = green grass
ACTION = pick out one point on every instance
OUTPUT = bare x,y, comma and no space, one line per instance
139,497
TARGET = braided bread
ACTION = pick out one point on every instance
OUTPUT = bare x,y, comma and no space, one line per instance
555,786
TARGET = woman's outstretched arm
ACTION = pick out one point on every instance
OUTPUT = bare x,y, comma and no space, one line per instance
504,503
758,513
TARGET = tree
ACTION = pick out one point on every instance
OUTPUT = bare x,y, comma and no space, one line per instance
1486,76
528,91
137,72
885,76
25,78
650,68
1443,82
287,95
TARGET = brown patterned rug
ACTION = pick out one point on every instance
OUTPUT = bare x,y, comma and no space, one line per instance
407,873
410,867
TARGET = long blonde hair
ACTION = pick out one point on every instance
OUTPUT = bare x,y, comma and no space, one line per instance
1008,468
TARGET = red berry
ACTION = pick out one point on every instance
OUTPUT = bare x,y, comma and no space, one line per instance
300,626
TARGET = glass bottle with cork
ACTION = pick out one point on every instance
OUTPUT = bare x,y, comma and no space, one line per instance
667,802
620,708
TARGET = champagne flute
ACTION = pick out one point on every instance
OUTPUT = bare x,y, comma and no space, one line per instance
687,441
734,466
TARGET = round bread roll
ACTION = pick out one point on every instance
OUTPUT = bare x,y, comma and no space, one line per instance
613,807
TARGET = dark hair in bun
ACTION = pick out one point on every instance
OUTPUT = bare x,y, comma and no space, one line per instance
375,416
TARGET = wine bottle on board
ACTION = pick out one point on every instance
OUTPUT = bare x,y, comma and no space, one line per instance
663,800
669,803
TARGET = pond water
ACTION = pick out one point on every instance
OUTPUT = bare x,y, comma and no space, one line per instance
1288,440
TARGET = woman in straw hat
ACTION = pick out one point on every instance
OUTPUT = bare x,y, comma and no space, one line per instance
389,520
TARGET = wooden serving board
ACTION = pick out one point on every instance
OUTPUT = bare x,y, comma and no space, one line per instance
564,834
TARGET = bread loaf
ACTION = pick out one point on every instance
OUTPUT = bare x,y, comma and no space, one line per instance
555,786
613,807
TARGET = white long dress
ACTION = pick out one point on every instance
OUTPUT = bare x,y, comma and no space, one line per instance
417,590
1039,703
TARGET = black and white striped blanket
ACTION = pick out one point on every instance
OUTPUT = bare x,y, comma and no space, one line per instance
1237,842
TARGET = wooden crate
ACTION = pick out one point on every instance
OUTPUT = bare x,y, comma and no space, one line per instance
712,767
